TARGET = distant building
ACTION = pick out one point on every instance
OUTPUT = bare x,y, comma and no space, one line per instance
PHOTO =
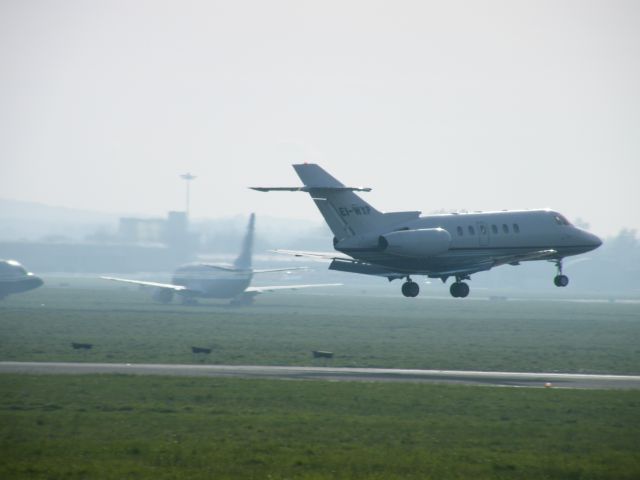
172,231
142,244
141,230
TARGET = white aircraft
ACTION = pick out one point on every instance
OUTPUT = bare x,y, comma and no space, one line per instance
14,278
204,280
397,245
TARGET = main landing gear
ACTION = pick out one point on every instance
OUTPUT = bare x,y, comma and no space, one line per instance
410,288
458,288
560,280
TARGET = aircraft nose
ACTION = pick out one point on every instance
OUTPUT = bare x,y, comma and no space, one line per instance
593,240
35,282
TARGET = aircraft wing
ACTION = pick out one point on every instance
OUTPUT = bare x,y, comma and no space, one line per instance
524,257
344,263
311,189
168,286
316,255
270,270
256,290
514,259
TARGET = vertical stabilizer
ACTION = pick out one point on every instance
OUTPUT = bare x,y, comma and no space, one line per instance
244,259
345,212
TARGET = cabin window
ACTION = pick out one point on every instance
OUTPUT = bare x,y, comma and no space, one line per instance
483,229
516,228
494,229
505,228
460,231
472,230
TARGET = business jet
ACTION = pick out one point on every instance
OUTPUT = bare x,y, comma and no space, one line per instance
205,280
397,245
14,278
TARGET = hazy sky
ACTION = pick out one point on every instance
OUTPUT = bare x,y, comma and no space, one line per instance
436,105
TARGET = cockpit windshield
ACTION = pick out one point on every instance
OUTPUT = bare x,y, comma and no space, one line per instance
560,219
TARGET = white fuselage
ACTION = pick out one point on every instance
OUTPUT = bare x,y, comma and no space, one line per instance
478,240
212,281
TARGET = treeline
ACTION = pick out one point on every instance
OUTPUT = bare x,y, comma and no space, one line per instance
615,266
612,269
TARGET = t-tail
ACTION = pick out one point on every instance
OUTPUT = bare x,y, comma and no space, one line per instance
345,212
244,259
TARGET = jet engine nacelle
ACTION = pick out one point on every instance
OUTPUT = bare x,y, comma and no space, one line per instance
423,242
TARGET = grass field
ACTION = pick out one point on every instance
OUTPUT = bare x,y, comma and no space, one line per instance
121,427
362,330
117,427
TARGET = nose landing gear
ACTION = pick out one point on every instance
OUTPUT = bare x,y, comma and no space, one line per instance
410,288
560,280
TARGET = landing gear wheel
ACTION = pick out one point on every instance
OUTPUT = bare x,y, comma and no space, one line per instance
241,300
561,280
459,290
410,289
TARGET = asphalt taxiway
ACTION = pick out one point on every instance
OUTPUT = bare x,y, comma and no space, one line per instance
503,379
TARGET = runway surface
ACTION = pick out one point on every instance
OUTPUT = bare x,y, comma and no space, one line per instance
504,379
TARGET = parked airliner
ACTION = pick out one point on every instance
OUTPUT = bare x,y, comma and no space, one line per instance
205,280
14,278
397,245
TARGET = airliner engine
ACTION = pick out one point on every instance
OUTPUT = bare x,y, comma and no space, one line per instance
423,242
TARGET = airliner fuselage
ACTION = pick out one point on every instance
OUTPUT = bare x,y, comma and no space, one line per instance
212,281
